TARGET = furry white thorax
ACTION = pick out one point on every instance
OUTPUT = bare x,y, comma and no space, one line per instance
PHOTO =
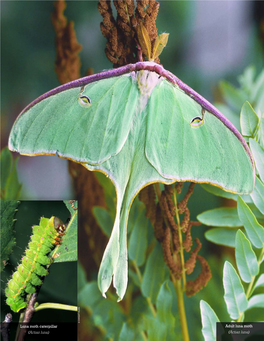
146,81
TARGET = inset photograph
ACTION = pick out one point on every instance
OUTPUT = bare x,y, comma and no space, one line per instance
39,268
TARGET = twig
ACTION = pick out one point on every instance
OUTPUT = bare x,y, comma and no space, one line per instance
5,327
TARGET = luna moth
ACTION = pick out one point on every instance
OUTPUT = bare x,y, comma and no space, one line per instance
32,269
138,124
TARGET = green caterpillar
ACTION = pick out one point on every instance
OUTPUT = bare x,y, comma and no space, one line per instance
45,236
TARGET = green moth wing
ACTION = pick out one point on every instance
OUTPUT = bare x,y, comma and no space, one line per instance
98,114
205,152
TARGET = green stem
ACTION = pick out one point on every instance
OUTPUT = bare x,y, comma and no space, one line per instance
144,336
21,317
240,317
181,308
56,306
251,285
151,306
180,288
177,283
180,240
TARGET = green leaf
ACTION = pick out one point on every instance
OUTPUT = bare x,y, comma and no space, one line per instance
156,329
105,313
139,310
258,154
256,301
10,187
247,79
6,161
13,187
154,274
260,282
8,209
259,216
254,230
68,249
134,277
258,91
258,195
248,120
221,236
229,113
245,258
235,297
164,303
72,206
104,219
129,333
138,241
223,216
89,295
81,280
260,134
209,319
164,311
234,97
221,193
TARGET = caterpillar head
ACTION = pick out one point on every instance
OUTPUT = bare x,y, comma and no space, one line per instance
58,225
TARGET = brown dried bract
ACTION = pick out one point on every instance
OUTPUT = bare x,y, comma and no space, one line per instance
159,225
192,287
190,263
167,232
175,269
187,243
167,212
148,196
183,204
178,187
67,65
122,45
